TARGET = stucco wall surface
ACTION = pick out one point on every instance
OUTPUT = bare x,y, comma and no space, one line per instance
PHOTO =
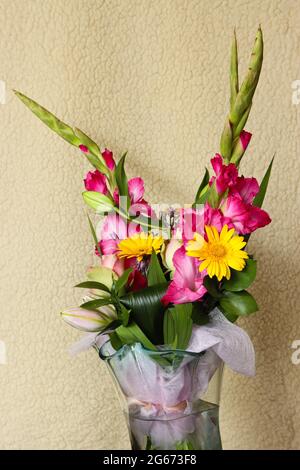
149,76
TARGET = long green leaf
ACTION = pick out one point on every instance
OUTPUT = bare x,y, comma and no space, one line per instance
155,273
147,310
121,178
203,183
94,304
120,283
178,325
93,232
93,285
259,198
133,334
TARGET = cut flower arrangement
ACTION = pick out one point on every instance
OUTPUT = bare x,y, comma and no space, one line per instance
167,286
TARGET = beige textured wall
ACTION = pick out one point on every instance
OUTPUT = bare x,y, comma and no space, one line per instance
149,76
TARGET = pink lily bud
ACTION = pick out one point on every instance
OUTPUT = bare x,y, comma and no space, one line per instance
240,147
109,160
95,181
88,320
83,148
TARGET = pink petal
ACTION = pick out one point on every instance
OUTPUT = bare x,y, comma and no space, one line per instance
217,164
245,138
109,160
136,189
258,218
95,181
246,188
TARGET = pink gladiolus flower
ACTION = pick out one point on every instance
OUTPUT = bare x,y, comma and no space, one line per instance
245,188
226,175
187,284
244,217
136,189
109,160
83,148
95,181
113,230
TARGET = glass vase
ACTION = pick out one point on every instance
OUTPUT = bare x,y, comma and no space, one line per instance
170,398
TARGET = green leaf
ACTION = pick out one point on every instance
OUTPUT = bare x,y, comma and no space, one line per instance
99,202
184,445
155,273
203,184
213,196
147,310
178,325
94,304
121,178
93,285
133,334
240,280
88,142
115,341
199,315
124,314
123,279
230,316
73,136
212,286
62,129
94,236
259,198
234,72
238,303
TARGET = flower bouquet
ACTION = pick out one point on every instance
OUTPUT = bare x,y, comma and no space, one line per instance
168,284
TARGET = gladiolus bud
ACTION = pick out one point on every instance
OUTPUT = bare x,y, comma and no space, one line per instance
240,147
83,148
109,160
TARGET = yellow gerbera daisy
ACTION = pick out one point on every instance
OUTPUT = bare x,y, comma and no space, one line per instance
139,245
222,251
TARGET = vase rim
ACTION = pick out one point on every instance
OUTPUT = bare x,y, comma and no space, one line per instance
160,352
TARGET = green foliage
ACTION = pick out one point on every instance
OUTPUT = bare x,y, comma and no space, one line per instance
121,179
97,201
212,286
238,303
200,312
259,198
155,273
73,136
241,98
93,285
240,280
93,232
178,326
133,334
203,185
122,281
184,445
94,304
147,310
